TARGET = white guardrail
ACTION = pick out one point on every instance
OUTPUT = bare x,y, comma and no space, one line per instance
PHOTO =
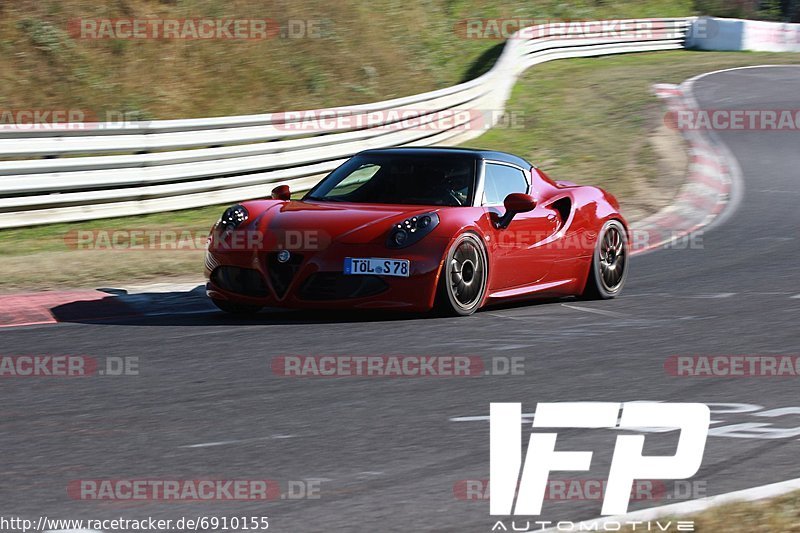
709,33
100,170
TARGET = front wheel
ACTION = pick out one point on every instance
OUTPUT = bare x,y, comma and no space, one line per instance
236,308
462,283
609,267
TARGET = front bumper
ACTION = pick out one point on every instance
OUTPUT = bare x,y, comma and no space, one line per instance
314,279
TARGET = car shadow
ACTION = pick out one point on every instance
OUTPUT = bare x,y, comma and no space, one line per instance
194,308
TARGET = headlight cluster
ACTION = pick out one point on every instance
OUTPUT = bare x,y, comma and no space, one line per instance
232,218
411,230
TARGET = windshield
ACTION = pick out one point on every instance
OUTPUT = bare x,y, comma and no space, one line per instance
447,180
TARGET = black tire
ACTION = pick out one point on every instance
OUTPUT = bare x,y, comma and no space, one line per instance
462,282
609,268
236,308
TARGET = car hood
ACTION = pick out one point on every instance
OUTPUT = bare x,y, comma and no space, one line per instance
326,222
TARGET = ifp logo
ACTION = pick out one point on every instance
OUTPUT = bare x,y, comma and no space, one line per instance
627,464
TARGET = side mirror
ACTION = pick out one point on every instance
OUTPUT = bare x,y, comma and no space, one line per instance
281,192
515,203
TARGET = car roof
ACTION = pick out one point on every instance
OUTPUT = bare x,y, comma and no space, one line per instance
493,155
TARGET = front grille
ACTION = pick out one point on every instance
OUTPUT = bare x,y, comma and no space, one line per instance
243,281
282,274
338,286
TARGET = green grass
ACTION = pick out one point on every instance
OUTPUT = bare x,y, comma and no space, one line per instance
367,51
586,120
776,515
50,238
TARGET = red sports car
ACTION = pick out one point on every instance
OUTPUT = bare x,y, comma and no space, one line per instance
419,229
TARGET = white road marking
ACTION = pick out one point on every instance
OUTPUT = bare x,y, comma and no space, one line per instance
526,417
768,293
469,418
237,441
603,312
511,347
744,294
369,473
510,317
777,191
684,509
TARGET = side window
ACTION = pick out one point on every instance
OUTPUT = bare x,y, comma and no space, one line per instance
500,181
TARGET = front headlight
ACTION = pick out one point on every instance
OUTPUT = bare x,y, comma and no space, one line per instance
412,230
232,218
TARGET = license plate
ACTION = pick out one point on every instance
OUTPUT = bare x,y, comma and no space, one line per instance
377,266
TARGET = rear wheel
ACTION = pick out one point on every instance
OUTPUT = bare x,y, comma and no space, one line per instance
236,308
609,267
462,283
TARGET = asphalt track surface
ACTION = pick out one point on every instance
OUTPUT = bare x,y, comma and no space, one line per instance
386,449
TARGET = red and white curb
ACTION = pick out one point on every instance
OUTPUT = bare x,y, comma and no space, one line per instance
705,193
29,309
685,510
136,301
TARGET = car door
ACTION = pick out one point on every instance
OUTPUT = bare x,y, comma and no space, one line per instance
519,255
